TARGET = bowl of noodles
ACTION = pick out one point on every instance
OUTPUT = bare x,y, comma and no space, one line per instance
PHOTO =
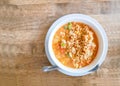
77,44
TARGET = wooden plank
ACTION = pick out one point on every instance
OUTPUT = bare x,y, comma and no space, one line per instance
19,2
8,80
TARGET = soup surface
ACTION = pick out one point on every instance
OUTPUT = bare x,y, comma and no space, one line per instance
75,44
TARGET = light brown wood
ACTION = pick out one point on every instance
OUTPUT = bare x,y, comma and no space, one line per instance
23,2
23,27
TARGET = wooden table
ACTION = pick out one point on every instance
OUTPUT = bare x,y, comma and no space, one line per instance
23,27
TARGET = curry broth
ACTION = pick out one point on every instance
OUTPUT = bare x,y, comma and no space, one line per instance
75,56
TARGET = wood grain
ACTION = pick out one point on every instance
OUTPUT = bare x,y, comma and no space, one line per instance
23,27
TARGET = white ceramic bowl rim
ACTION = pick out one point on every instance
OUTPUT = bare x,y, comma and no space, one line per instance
103,43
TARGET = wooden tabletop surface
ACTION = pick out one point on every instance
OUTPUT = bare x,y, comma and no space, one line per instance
23,27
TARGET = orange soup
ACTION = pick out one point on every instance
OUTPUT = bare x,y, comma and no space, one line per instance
75,44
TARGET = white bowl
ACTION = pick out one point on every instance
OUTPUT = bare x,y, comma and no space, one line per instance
102,39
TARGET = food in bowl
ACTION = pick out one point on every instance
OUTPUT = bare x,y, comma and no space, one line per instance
75,44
